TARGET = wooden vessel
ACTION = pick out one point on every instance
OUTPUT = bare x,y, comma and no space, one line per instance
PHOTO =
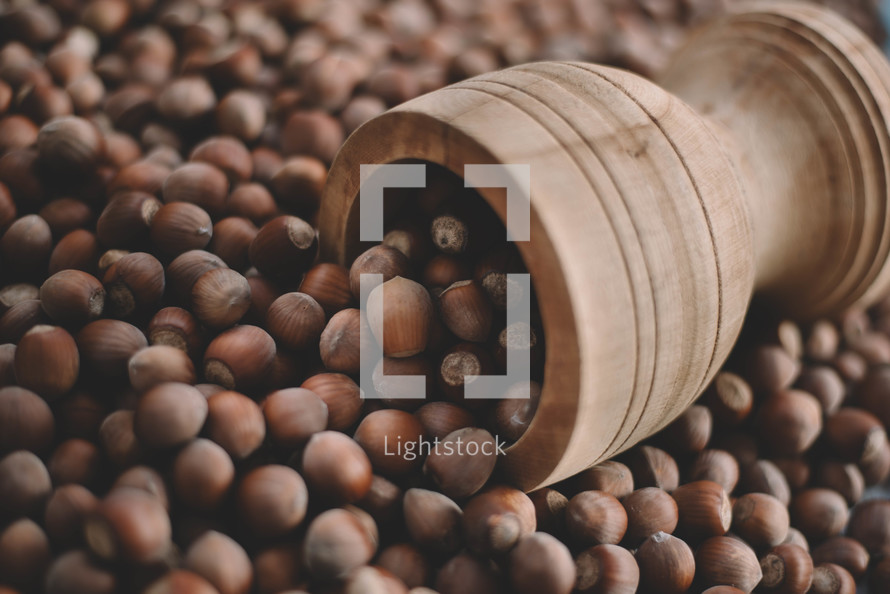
657,214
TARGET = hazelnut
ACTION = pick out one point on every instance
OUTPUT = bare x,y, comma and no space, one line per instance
796,470
179,580
329,285
70,145
460,367
202,474
340,341
383,500
825,385
439,419
64,215
26,421
336,467
869,525
277,569
158,364
605,569
789,421
717,466
846,479
133,284
15,293
293,415
649,510
393,393
822,342
399,314
169,415
241,113
220,297
610,477
118,439
550,510
272,500
764,476
178,227
263,293
653,467
266,163
24,485
65,512
843,551
704,510
406,563
186,99
786,568
595,517
75,461
235,422
106,347
239,358
125,221
184,271
666,564
384,434
25,247
854,434
20,318
251,201
818,513
199,183
760,519
78,250
221,561
879,576
144,478
336,543
312,133
75,572
226,153
231,241
410,240
796,537
45,348
464,574
284,248
466,311
851,366
540,563
725,560
433,521
295,320
298,182
462,462
496,519
130,525
24,554
379,259
443,270
342,396
829,578
770,368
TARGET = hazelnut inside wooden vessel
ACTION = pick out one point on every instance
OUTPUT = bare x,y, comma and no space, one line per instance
655,217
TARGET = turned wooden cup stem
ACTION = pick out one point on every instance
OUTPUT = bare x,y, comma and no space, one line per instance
655,219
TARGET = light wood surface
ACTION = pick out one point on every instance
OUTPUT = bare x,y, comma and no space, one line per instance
654,219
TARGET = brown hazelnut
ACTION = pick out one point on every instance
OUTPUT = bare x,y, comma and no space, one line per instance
65,512
75,572
764,476
796,537
199,183
107,345
251,201
550,510
786,568
75,461
690,432
178,227
666,564
496,519
24,553
26,421
439,419
461,365
25,247
17,132
277,569
822,342
266,163
854,434
19,173
70,145
298,183
272,500
293,415
45,348
825,385
466,311
221,561
220,297
126,220
336,467
851,366
610,477
383,500
879,576
77,250
179,580
340,342
462,462
226,153
169,414
241,113
183,272
385,436
595,517
25,485
235,422
133,284
725,560
239,358
118,439
540,563
158,364
394,394
652,467
829,578
202,474
341,395
329,285
284,248
263,293
760,519
704,510
715,465
144,478
796,470
336,543
131,525
869,525
406,563
295,320
399,314
465,574
20,318
433,521
770,368
818,513
186,99
846,479
64,215
379,259
649,510
843,551
15,293
312,133
789,421
231,241
606,569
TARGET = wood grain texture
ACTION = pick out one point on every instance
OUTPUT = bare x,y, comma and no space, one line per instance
654,219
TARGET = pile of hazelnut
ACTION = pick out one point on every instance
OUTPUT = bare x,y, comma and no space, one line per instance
179,406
